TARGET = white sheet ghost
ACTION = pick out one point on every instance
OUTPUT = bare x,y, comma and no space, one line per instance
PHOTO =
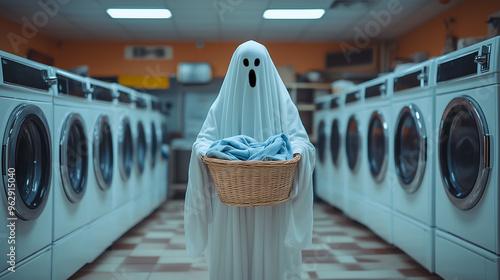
261,243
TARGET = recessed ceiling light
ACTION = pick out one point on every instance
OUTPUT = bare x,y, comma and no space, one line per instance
139,13
293,13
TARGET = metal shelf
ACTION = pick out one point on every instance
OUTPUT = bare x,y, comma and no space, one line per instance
323,86
306,107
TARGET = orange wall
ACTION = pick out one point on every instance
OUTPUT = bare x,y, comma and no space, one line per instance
107,58
15,40
470,21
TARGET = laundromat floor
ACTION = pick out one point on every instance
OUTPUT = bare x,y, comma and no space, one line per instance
341,249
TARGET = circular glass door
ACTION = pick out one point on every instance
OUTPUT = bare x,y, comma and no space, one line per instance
410,148
377,146
353,144
335,142
154,144
125,149
27,161
162,138
73,157
464,152
321,141
141,147
103,152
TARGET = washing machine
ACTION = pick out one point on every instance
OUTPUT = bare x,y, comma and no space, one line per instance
336,157
164,155
123,185
71,172
378,153
467,196
26,128
151,154
321,121
139,120
102,228
159,182
355,147
414,170
103,148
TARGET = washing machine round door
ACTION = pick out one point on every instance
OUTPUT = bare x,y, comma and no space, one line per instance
154,145
125,149
141,147
163,133
335,142
378,146
321,141
410,148
27,161
353,144
464,152
73,157
103,152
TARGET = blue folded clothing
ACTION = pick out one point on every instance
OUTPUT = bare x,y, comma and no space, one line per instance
246,148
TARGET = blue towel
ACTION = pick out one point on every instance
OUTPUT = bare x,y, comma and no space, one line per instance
245,148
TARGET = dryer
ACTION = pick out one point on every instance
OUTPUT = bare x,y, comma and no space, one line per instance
123,186
413,127
467,195
102,228
321,123
71,171
378,153
355,147
336,156
26,128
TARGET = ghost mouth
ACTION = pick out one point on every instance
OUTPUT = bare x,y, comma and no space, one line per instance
252,78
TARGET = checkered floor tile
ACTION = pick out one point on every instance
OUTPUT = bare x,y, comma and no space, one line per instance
341,249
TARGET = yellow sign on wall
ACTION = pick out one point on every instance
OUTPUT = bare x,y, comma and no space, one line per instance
146,82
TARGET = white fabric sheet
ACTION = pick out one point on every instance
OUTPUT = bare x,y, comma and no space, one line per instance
261,243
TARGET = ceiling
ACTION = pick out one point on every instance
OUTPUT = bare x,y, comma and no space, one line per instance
221,20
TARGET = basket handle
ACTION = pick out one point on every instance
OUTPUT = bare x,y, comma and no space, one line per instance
294,155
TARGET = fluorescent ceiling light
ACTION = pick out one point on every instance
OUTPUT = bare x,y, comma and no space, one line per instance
293,13
139,13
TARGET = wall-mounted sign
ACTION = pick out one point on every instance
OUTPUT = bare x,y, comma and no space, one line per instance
194,73
145,82
149,52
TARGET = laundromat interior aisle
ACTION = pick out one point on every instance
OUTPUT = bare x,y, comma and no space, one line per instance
99,112
341,249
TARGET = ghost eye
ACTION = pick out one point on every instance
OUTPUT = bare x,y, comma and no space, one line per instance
257,62
245,62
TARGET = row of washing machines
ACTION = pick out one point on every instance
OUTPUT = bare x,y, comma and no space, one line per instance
81,165
414,156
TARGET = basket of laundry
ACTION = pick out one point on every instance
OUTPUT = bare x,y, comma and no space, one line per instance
254,182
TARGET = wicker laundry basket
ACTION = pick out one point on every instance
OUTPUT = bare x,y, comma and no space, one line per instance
252,183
